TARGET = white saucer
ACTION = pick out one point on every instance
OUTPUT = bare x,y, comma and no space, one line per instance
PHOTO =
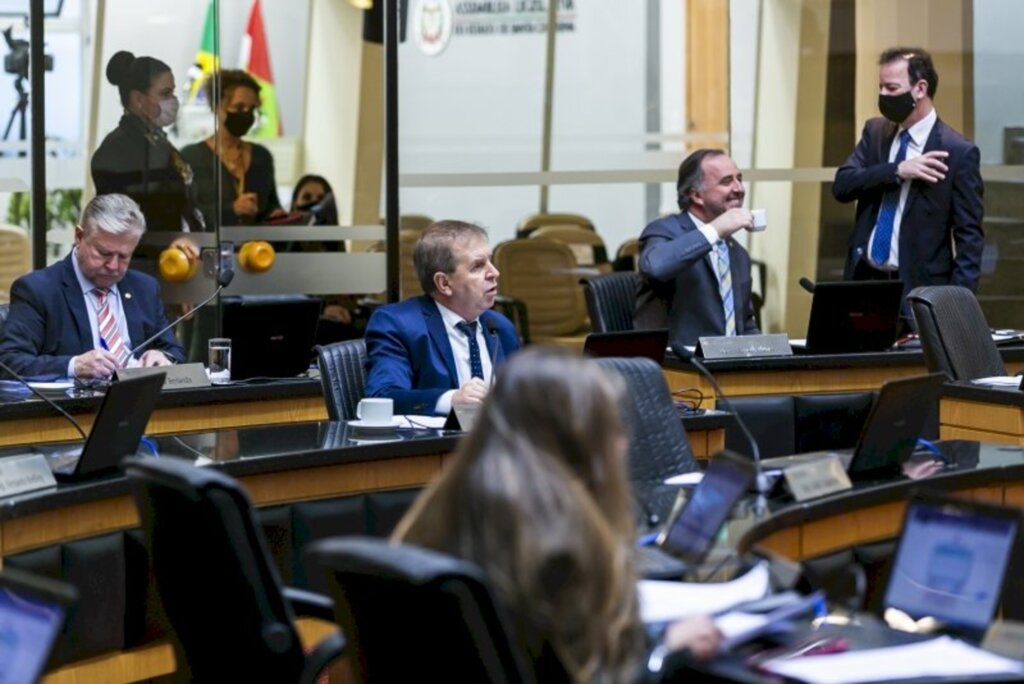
52,386
363,426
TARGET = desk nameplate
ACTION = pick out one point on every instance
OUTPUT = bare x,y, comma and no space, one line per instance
744,346
182,375
817,478
24,473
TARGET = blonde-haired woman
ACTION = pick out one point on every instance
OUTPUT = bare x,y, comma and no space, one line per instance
538,497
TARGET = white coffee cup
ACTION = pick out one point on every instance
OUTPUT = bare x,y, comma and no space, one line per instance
760,220
377,411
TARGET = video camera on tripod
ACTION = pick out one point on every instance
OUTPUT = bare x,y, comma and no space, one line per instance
16,60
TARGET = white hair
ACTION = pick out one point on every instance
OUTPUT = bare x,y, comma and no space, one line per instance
115,214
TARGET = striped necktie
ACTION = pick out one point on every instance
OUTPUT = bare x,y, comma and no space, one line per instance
882,245
110,337
725,287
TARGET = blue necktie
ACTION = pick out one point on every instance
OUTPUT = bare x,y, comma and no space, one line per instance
887,212
476,368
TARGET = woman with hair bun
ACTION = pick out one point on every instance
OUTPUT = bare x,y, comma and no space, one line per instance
136,159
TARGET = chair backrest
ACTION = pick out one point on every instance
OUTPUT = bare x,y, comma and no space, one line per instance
658,445
409,283
15,258
534,221
221,594
954,333
611,299
412,614
627,258
586,245
543,275
343,376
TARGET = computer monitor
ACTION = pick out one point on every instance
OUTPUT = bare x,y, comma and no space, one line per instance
272,336
854,316
32,613
951,561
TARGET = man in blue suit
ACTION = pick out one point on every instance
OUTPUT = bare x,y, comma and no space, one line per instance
430,352
80,316
696,276
917,185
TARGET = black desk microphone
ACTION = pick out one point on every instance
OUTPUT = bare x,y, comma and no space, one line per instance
760,481
807,284
223,280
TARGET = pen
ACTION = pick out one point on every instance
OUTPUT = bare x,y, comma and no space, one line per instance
103,345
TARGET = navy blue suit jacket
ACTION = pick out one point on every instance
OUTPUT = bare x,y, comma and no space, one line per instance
48,322
935,215
410,358
680,289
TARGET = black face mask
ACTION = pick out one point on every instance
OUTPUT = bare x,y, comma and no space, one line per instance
896,108
239,123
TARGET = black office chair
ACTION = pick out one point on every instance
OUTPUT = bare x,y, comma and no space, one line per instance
411,614
658,445
611,299
230,619
954,333
343,376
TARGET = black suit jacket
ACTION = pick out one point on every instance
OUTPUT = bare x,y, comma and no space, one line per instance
680,288
48,322
936,215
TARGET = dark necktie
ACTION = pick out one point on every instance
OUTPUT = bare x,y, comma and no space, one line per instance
887,212
476,368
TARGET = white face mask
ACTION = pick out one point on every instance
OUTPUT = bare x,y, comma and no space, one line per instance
168,112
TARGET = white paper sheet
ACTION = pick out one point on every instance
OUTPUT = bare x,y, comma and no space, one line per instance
999,381
686,479
668,601
432,422
732,624
942,656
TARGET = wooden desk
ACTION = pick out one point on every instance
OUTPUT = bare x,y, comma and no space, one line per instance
220,407
807,374
871,513
989,414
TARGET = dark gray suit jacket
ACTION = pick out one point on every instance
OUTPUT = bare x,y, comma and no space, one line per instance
680,288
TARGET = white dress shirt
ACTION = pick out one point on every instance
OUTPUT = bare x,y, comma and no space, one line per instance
711,235
460,350
919,133
92,307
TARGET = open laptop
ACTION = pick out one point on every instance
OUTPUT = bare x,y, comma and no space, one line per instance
692,527
951,562
32,613
650,344
889,434
849,317
116,431
272,336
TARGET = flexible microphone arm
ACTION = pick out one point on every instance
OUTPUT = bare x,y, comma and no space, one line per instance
492,330
760,481
49,401
225,280
807,284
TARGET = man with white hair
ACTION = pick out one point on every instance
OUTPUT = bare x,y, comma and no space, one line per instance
80,317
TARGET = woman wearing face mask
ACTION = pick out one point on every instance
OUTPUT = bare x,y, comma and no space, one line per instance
136,158
248,193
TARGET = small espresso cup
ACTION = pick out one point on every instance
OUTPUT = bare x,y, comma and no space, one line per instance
378,411
760,220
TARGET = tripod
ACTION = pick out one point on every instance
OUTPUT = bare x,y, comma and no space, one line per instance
18,111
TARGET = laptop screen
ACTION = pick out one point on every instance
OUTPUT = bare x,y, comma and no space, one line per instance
951,561
691,531
650,344
29,625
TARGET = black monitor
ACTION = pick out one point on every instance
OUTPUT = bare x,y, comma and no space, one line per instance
272,336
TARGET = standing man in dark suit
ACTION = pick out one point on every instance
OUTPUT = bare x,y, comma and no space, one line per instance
917,185
439,349
80,316
696,276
